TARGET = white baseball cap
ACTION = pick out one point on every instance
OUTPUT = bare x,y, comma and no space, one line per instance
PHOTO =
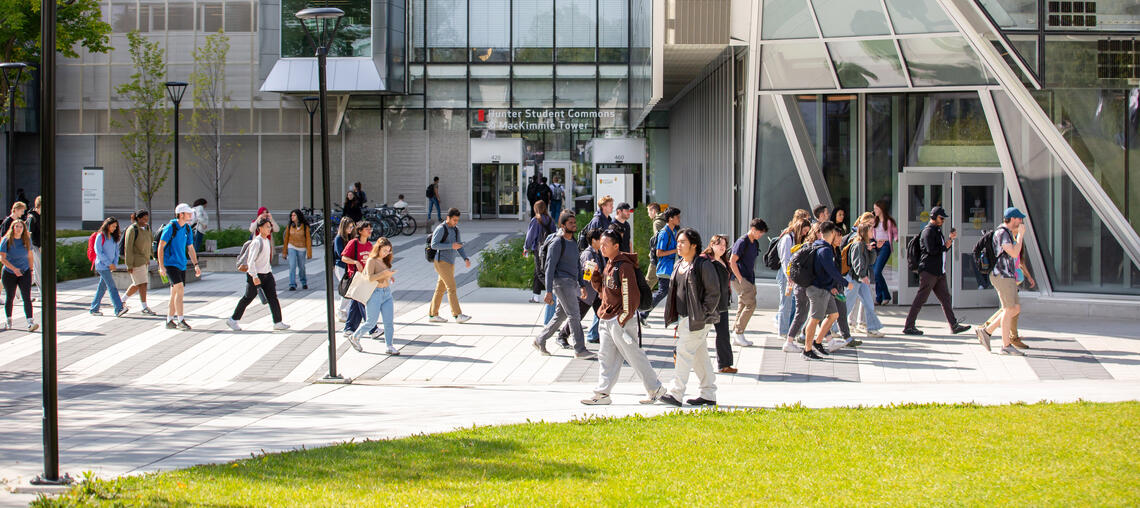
183,208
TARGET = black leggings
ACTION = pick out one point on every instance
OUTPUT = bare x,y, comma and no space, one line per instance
268,287
723,346
25,283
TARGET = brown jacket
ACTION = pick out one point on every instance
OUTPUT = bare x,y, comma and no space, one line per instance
298,238
618,288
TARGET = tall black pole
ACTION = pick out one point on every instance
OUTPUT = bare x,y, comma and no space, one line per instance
322,54
11,162
47,215
312,203
176,155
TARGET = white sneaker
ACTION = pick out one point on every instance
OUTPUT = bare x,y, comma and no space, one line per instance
280,326
836,344
377,334
860,327
600,399
535,299
462,318
348,333
739,340
437,319
791,347
233,324
342,317
392,351
654,396
352,340
32,326
875,333
5,325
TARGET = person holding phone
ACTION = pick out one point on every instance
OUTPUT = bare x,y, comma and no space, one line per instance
931,274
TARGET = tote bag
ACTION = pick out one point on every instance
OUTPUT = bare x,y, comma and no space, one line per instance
361,288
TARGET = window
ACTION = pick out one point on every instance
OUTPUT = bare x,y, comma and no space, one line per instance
490,31
576,32
353,39
533,26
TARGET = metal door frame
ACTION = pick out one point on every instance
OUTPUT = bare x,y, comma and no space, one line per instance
972,297
917,176
567,179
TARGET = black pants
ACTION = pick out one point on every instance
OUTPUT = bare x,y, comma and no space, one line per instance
269,287
538,282
928,282
723,346
11,281
844,326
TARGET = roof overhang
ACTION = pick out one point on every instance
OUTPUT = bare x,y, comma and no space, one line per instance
299,75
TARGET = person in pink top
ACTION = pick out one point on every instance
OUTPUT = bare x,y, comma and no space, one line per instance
886,234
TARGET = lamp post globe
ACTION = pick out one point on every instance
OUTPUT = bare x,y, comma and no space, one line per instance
174,91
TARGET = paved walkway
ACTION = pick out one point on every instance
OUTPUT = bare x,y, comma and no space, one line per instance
136,397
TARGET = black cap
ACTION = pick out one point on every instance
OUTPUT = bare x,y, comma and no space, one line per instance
624,206
938,212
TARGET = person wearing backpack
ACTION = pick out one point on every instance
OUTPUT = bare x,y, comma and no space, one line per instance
617,289
743,266
825,284
592,254
657,221
175,250
860,258
432,194
137,255
601,219
791,236
932,246
17,270
19,208
541,225
106,249
557,195
564,280
34,222
259,276
693,305
801,260
666,249
447,244
1004,278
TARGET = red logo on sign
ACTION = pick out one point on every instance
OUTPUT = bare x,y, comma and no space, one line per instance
482,115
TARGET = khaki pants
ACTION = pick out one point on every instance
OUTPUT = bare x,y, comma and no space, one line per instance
746,304
651,273
446,283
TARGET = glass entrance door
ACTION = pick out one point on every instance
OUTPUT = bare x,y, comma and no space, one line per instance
980,202
918,192
495,190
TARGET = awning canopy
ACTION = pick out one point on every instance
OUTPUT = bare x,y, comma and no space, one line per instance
299,75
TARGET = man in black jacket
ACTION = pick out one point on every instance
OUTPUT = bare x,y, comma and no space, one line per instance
692,303
931,276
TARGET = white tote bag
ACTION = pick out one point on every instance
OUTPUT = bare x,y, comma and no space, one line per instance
361,288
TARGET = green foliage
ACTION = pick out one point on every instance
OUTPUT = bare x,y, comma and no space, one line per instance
208,88
71,233
913,455
504,266
229,237
147,124
71,261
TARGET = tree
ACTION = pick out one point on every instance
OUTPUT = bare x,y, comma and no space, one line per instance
147,124
208,85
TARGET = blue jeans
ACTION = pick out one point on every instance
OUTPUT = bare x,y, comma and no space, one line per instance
548,311
355,315
199,241
434,203
787,308
662,292
106,283
297,267
882,293
380,303
863,293
555,208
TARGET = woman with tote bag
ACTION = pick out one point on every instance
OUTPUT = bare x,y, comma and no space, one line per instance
372,287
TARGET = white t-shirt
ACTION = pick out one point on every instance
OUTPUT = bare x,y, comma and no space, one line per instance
400,204
259,253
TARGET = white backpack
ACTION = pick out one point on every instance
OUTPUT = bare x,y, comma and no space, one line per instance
243,256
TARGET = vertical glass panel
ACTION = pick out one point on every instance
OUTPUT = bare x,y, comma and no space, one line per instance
833,126
446,86
942,61
778,189
951,132
575,35
613,86
885,131
533,30
1080,253
353,39
446,30
845,18
795,65
533,86
863,64
124,17
613,31
1012,13
1132,116
1098,15
419,48
640,57
575,86
181,16
490,30
787,19
490,86
918,17
1089,61
1026,47
239,17
1093,122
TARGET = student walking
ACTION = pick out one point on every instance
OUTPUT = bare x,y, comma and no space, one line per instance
17,272
616,286
19,209
931,276
447,243
794,234
353,207
359,190
859,257
106,257
620,223
355,255
820,214
343,236
34,223
821,294
839,218
1004,278
717,253
175,249
564,280
433,200
259,277
541,225
589,260
886,235
657,222
557,196
743,266
693,305
1014,336
137,255
379,272
297,249
802,305
601,219
200,224
666,247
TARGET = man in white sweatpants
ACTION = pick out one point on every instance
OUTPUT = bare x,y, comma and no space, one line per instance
617,288
692,302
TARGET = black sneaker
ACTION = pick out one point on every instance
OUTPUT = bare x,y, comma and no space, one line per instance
959,328
811,355
855,343
819,348
669,399
912,331
642,321
292,288
562,343
304,286
701,401
171,325
593,341
182,325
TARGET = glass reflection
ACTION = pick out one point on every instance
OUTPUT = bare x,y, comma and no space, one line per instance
951,131
918,16
1012,13
353,39
845,18
778,189
942,61
866,64
795,65
787,19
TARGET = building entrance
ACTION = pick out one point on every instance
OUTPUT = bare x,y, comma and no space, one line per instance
496,191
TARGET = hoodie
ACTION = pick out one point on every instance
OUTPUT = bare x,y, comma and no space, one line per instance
617,285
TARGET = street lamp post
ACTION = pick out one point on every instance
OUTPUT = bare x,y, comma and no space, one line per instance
311,106
174,91
10,83
321,40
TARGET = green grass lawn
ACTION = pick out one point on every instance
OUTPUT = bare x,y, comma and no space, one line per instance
1044,454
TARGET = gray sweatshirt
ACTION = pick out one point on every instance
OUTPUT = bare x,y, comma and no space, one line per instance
562,262
860,260
443,249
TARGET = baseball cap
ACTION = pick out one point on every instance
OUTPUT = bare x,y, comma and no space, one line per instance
1013,213
938,212
183,208
624,206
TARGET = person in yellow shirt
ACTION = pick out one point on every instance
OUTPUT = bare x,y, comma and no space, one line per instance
297,249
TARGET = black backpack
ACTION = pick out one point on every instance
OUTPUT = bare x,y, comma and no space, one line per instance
985,256
429,252
772,256
430,192
646,302
914,252
544,250
801,268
